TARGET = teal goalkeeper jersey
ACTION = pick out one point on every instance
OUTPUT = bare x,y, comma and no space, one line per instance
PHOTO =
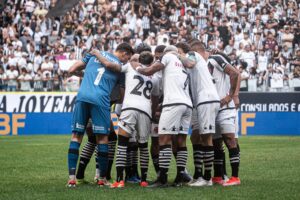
98,82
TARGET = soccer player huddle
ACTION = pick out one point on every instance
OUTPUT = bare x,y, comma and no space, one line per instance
162,96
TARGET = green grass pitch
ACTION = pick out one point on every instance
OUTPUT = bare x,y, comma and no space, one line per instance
35,167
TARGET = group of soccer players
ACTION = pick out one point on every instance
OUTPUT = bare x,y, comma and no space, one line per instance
162,96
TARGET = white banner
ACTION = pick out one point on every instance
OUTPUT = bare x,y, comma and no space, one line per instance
276,83
296,82
66,64
38,102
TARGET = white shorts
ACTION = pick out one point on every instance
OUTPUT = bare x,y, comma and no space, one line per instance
204,118
175,120
133,121
154,130
225,123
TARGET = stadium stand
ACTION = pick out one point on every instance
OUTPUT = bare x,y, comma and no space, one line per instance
261,37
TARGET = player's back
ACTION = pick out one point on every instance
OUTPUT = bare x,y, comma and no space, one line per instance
98,82
202,85
138,90
217,64
175,81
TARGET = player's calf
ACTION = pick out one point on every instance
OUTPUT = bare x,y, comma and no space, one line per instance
85,157
155,154
121,160
144,162
102,148
112,141
73,154
234,156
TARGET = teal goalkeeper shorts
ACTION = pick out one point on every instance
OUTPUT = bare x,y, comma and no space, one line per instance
100,117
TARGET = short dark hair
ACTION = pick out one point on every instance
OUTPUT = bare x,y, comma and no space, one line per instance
160,49
184,46
146,58
142,47
198,45
191,41
125,47
244,64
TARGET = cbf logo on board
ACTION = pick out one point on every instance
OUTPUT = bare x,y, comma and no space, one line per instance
23,112
11,123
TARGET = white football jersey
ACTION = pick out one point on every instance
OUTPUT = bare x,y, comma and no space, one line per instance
138,90
217,64
202,85
175,82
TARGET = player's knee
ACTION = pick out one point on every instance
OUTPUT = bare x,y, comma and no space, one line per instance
206,140
195,137
102,139
229,141
181,140
77,136
165,139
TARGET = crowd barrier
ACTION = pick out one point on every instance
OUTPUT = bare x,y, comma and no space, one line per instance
51,113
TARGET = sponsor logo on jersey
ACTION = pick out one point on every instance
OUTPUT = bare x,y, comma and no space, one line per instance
178,64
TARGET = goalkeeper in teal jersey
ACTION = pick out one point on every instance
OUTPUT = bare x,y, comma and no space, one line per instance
93,101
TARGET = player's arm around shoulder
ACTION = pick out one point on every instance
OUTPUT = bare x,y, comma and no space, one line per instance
109,65
76,68
188,60
147,71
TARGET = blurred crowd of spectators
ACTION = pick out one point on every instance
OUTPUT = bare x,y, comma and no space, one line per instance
261,37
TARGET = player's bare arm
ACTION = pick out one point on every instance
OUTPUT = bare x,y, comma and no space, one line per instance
135,58
187,62
76,69
235,79
148,71
109,65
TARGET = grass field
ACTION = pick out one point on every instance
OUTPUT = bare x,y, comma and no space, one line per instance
35,167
